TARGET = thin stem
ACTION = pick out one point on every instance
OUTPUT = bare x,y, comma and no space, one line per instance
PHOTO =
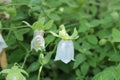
18,4
25,59
40,69
8,35
113,47
14,28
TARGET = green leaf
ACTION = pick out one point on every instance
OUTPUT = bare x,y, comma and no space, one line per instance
114,57
5,71
24,72
19,33
42,20
37,25
16,56
19,36
78,60
92,39
49,39
48,25
47,58
94,23
75,34
54,34
33,67
84,68
115,35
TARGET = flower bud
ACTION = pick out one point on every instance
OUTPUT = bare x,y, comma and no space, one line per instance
38,42
102,42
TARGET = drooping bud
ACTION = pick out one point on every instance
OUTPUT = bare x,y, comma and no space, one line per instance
38,42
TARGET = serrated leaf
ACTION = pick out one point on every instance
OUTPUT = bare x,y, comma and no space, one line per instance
78,60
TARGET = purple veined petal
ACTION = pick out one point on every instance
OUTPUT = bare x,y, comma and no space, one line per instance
2,43
65,51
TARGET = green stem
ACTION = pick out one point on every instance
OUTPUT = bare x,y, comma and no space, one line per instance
113,47
40,69
25,59
14,28
17,4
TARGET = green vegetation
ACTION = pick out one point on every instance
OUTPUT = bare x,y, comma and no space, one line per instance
96,50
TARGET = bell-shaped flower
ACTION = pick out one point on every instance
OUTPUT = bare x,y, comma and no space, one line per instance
38,42
2,43
65,51
65,48
15,73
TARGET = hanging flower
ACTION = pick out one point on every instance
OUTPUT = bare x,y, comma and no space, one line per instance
38,42
65,51
15,73
65,48
2,43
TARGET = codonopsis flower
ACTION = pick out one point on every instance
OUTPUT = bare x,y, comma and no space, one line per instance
15,73
2,43
65,51
38,42
65,48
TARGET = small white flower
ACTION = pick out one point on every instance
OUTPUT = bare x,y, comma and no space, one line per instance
2,43
14,78
38,42
65,51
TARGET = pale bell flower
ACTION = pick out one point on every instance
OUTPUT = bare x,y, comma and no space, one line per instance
65,51
38,42
65,48
2,43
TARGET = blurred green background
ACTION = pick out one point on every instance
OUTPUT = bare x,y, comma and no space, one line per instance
97,50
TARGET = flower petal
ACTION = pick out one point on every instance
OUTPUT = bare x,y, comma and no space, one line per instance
65,51
38,42
2,43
